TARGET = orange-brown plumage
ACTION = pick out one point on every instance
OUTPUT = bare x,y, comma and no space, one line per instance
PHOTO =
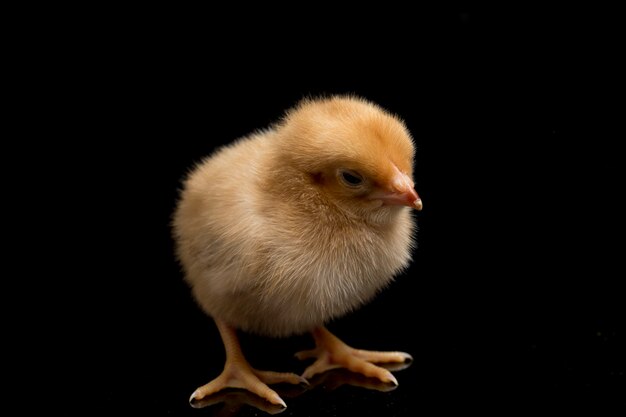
293,226
346,131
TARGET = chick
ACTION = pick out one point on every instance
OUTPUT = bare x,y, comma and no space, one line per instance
293,226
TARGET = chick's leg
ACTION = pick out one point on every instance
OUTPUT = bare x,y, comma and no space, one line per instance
331,353
238,373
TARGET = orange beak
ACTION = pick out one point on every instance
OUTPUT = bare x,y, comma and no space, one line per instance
400,192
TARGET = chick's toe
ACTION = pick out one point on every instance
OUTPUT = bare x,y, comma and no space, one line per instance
332,353
244,377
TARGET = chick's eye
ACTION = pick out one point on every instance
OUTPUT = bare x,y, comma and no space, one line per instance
351,178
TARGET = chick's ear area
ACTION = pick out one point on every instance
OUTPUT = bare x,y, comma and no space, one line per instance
317,177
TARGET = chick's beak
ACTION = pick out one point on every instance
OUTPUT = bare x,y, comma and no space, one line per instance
399,192
407,197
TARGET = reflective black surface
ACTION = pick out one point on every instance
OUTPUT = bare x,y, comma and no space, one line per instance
511,302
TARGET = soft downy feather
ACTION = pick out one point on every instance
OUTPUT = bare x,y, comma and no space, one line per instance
268,246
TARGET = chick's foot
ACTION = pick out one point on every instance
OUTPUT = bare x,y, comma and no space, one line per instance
331,353
238,373
250,379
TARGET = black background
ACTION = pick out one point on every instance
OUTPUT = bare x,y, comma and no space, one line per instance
511,301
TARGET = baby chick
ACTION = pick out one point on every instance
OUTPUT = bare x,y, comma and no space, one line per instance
293,226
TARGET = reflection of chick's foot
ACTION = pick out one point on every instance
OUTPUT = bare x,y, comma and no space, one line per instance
238,373
331,353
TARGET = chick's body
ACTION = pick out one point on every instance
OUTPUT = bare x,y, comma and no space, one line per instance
273,236
278,267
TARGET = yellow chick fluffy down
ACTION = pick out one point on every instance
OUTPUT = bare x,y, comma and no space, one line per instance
269,246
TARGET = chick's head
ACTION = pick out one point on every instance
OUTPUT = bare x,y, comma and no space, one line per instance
352,154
